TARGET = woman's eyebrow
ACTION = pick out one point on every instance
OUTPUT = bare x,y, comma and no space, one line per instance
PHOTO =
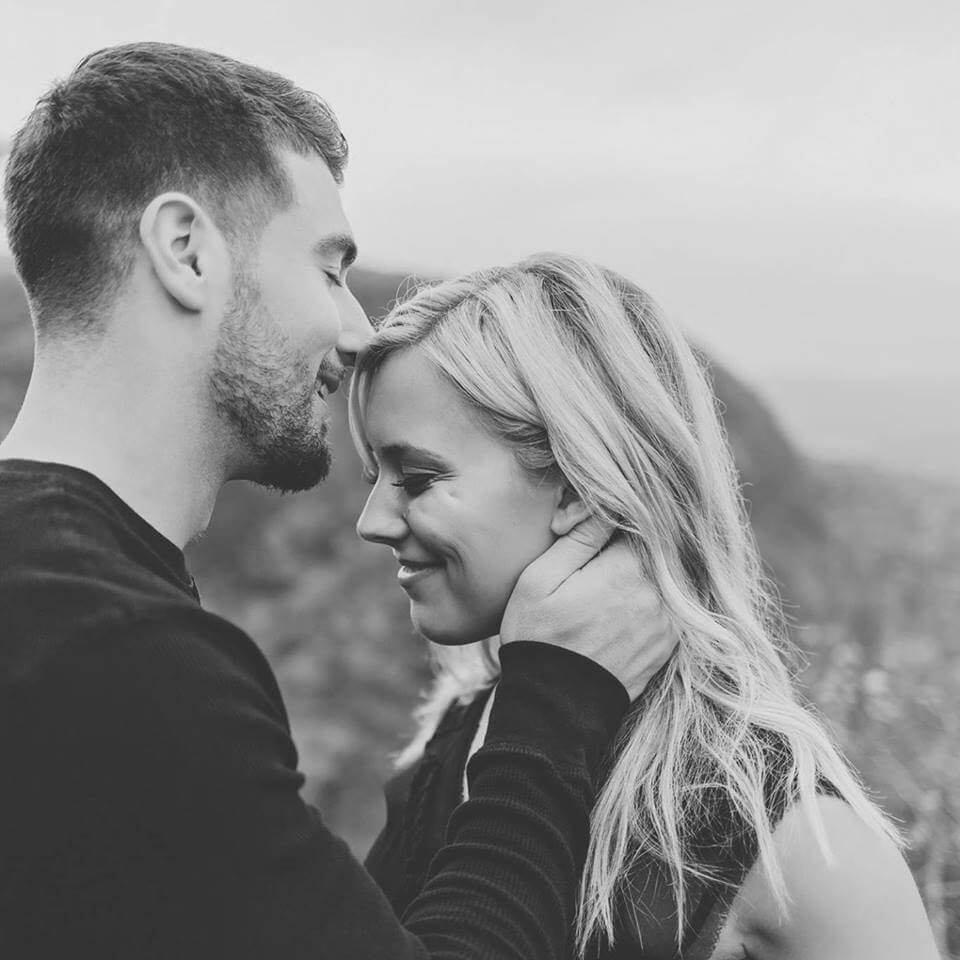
402,451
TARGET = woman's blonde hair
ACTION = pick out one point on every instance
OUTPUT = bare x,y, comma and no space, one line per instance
578,370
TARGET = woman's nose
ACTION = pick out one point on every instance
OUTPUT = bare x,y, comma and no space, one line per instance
381,521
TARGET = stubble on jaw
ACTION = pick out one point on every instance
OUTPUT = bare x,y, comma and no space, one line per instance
267,394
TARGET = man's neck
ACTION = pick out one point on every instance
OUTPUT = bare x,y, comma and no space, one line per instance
146,450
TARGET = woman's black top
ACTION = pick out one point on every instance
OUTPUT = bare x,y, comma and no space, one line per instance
419,802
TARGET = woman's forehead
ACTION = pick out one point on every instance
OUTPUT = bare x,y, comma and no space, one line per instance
411,404
408,395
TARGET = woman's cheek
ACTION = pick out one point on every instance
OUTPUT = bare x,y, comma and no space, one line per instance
434,525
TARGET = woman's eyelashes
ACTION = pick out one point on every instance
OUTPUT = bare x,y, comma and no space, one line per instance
414,482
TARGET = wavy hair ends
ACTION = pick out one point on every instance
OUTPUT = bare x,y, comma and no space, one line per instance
580,373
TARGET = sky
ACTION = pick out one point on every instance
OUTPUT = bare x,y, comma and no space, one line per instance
783,178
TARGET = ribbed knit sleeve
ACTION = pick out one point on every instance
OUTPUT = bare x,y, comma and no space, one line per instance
505,884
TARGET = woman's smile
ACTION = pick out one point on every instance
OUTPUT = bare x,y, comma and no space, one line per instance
413,572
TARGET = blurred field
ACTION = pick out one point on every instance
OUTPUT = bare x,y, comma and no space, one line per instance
868,564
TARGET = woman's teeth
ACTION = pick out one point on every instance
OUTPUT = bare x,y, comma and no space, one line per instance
410,573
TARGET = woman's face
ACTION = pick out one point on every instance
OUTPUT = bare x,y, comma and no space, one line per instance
462,518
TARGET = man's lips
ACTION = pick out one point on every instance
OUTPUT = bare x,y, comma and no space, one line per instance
329,380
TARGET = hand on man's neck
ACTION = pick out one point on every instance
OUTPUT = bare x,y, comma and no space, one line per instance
136,430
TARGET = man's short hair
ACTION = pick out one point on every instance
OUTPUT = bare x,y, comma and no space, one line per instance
129,123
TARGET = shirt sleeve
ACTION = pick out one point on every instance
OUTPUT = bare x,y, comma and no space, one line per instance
242,867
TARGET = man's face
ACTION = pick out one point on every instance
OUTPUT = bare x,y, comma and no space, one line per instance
290,329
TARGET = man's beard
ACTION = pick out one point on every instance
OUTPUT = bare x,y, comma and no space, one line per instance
267,393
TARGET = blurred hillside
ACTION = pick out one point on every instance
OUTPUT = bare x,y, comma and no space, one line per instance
906,424
868,566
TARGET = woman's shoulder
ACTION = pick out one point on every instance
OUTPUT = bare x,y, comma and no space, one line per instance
849,892
852,873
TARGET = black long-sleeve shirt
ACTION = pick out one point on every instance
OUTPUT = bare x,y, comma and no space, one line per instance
150,802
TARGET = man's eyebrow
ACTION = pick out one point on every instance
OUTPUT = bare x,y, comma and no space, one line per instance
337,243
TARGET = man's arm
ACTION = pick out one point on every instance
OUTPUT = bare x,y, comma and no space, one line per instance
254,871
249,870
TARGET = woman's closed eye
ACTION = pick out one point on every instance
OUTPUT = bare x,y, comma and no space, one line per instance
414,482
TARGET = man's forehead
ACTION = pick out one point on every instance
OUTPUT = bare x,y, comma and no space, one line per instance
307,169
316,192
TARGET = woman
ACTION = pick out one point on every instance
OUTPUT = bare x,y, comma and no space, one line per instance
495,412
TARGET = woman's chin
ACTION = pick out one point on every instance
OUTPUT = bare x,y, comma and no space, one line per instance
451,622
448,634
449,638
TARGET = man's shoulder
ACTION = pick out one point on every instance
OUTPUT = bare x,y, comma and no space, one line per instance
29,488
109,657
179,643
155,688
61,527
175,631
188,662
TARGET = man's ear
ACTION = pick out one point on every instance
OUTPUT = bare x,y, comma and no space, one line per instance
569,511
180,241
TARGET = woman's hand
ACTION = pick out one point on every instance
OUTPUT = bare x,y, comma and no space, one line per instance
588,594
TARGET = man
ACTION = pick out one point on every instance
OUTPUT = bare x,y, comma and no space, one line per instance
176,222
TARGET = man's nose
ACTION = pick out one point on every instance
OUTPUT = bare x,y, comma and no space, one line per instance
355,329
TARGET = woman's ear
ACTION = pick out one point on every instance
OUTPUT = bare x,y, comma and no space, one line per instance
179,239
569,511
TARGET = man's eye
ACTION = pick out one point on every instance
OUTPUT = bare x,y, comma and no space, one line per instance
415,483
333,278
